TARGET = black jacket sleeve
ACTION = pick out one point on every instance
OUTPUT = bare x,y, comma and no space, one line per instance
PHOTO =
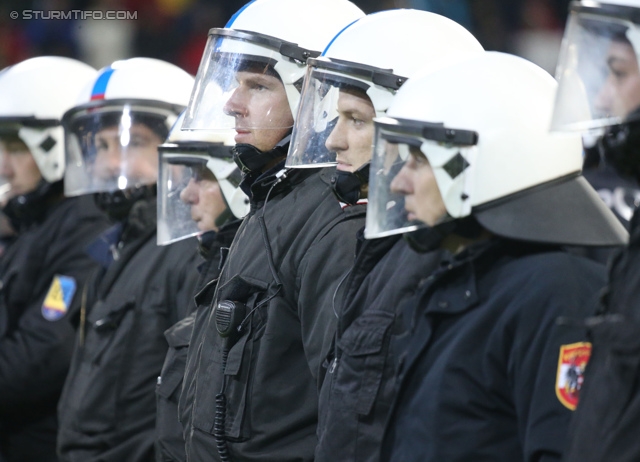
34,351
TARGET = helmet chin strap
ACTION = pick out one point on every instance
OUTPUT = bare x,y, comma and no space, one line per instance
432,237
251,160
348,186
118,204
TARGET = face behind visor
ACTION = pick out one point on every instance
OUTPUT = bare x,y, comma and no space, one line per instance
112,135
480,127
114,146
357,77
598,73
198,190
251,72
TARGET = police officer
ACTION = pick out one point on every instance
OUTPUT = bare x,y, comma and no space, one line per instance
486,372
107,409
254,363
198,195
598,70
42,270
354,81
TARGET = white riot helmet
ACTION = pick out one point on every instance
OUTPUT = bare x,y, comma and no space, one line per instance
482,125
34,94
265,36
372,57
193,164
598,65
121,117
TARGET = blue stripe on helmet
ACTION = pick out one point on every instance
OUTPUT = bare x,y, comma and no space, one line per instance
338,35
100,87
237,13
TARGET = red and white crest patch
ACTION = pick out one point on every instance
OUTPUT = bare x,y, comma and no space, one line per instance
572,362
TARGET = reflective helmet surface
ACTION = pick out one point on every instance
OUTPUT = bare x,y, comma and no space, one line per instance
121,117
192,165
598,72
371,58
34,95
599,80
264,37
483,127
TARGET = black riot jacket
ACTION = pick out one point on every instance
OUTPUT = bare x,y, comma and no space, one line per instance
107,409
41,273
605,425
487,372
273,370
358,389
169,438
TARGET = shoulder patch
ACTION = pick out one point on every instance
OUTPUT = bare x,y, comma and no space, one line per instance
59,297
572,362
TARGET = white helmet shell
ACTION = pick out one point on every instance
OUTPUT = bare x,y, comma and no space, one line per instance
508,103
272,32
182,158
124,98
142,79
281,19
632,3
377,54
35,95
483,125
404,41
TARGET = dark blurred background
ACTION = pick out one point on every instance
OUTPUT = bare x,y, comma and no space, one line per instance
176,30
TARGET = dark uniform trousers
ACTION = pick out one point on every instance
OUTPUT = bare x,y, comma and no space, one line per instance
273,371
169,432
358,389
108,409
35,350
482,370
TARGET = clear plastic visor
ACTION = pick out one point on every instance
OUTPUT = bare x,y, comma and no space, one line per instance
189,198
418,176
334,123
386,211
598,74
110,148
237,87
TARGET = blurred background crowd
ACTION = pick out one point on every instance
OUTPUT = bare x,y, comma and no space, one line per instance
176,30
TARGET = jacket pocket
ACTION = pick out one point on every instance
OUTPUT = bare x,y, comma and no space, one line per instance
362,352
104,322
178,338
92,405
235,375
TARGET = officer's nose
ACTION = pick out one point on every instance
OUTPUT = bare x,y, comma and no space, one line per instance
189,195
236,105
603,101
403,181
6,167
337,140
109,161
